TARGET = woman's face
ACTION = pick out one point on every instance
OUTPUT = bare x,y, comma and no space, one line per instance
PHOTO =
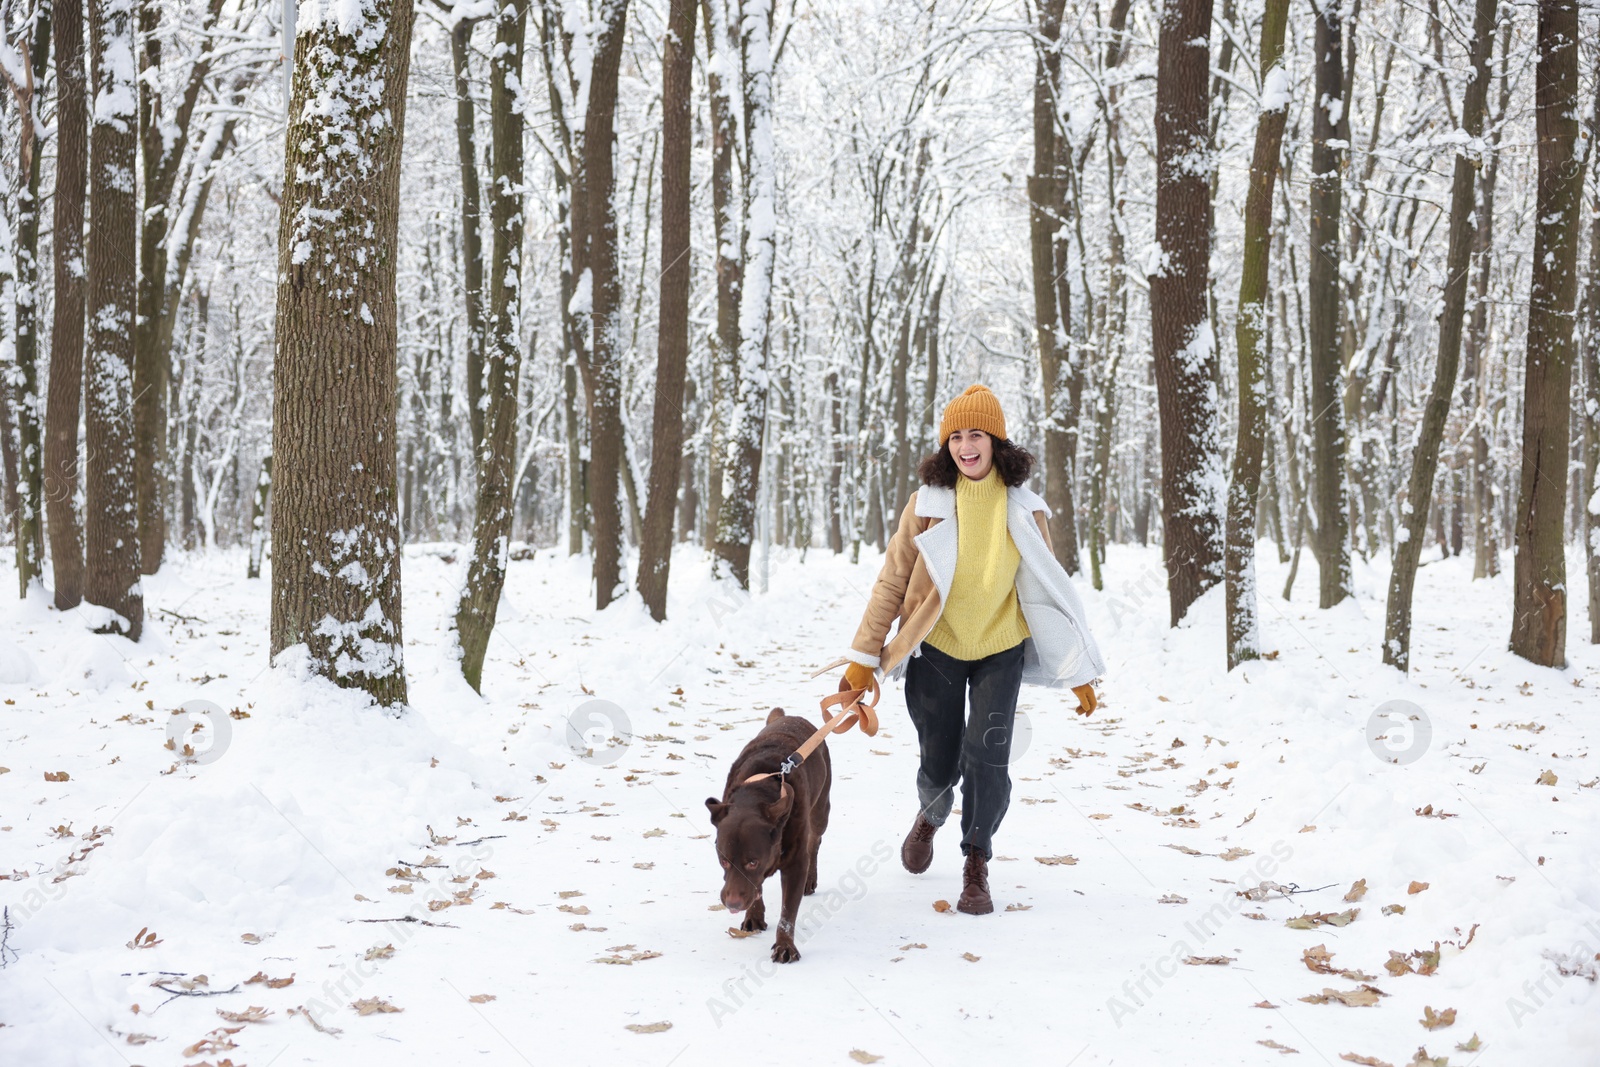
973,451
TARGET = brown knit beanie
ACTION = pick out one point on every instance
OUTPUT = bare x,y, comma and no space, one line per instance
975,409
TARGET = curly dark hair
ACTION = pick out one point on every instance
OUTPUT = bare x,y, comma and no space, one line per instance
1013,462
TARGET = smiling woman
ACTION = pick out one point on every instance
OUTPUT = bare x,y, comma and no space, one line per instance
983,607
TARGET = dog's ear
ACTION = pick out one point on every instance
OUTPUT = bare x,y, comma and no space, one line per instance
774,715
778,811
718,809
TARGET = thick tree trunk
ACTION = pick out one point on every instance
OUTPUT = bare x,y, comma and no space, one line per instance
1185,347
736,520
603,285
1250,331
66,336
1330,540
1458,266
335,522
1539,610
111,574
672,342
497,448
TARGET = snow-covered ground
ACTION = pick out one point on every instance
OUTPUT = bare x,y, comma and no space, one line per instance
518,899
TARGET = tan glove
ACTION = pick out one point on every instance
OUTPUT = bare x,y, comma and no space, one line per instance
1087,701
856,676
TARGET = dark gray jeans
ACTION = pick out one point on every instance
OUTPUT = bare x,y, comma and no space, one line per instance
977,753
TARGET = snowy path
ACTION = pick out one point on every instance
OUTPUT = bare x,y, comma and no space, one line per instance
589,904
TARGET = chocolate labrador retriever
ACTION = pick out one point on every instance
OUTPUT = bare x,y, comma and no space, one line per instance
765,827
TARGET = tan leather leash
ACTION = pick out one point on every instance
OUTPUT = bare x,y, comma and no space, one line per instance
852,710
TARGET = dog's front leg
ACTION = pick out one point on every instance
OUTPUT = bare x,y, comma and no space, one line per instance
794,878
756,918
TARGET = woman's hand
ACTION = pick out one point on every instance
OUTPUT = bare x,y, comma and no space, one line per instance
1087,701
856,676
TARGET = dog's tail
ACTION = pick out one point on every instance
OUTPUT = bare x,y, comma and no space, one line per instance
777,713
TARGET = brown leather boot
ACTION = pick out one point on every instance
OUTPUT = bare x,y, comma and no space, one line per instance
916,852
975,899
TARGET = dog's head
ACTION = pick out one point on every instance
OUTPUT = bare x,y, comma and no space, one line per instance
749,838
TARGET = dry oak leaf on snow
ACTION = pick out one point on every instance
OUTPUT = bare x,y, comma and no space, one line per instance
650,1028
373,1005
1436,1020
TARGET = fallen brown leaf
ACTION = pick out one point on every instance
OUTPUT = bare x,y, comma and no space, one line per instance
373,1005
1364,996
650,1028
1437,1020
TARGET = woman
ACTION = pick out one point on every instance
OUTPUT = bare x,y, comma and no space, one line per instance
983,606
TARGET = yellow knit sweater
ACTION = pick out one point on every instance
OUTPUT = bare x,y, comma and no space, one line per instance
982,616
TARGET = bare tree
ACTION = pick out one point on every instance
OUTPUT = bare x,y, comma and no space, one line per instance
1591,388
599,280
66,337
1184,344
1051,163
497,450
163,139
471,217
1330,130
111,577
1539,611
335,521
672,344
1250,331
721,73
1458,266
27,87
742,466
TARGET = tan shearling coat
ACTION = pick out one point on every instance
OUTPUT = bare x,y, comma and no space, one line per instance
915,580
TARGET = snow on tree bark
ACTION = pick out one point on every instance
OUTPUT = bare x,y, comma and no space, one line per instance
1330,537
1243,632
1539,584
27,87
111,574
1458,263
1052,308
497,450
335,524
1184,346
748,419
599,293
